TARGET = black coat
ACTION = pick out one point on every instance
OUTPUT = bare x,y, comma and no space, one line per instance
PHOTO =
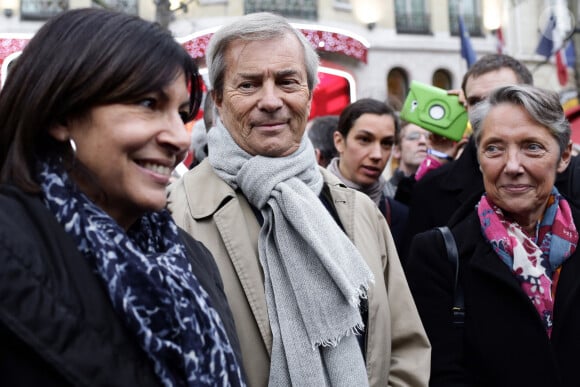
396,214
441,192
503,341
57,324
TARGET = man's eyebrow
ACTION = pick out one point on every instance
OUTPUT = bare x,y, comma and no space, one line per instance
249,75
286,72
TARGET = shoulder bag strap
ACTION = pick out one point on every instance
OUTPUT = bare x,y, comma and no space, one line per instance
458,308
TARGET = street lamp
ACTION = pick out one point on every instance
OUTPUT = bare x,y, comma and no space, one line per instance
492,14
368,12
8,7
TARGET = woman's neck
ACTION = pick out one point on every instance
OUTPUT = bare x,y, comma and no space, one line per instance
529,226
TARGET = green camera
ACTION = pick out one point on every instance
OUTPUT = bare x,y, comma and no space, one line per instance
433,109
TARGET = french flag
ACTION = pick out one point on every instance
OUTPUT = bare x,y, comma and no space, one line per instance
551,43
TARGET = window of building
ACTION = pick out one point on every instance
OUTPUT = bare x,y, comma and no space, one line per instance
296,9
442,79
471,11
397,86
128,6
343,4
412,17
41,9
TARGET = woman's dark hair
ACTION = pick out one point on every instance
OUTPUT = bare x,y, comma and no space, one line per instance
78,60
366,105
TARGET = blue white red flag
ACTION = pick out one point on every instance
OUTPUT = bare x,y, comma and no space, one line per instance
551,43
467,51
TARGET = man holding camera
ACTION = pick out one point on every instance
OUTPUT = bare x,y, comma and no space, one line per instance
437,194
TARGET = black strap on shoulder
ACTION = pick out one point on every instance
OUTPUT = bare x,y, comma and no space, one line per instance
458,308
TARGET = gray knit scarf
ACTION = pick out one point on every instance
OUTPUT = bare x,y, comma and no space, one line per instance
314,276
374,191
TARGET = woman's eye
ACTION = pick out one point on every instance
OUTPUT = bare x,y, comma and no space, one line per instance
148,103
388,144
491,149
185,116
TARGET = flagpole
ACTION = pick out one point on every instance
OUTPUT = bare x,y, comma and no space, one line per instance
576,43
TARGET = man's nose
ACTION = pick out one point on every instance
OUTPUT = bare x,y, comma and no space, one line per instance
270,97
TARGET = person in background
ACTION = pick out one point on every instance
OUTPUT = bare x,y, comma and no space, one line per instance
199,133
99,286
437,195
321,133
518,257
364,139
198,147
409,151
310,268
208,113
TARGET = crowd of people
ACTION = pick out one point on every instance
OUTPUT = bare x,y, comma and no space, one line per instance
283,256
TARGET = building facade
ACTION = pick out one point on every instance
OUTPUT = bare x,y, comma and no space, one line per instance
404,40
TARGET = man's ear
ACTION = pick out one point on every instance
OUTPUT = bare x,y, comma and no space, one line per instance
396,152
216,97
59,132
338,142
309,105
318,156
565,159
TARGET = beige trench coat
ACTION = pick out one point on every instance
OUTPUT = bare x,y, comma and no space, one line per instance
398,351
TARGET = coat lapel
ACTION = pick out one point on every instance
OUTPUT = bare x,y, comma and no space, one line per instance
239,229
486,261
342,200
232,223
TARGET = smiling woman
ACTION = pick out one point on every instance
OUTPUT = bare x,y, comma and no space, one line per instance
518,255
139,163
98,284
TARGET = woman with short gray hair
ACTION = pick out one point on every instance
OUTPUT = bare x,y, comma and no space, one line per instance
543,106
517,268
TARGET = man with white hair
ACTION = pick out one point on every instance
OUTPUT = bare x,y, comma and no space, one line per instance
309,266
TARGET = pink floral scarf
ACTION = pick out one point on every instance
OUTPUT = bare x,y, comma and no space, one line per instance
535,261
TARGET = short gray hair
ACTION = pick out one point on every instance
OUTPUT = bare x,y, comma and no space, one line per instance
252,27
542,105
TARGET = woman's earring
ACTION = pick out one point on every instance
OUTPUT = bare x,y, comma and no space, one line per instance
73,146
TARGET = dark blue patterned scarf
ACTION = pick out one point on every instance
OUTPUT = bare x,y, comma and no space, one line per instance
151,285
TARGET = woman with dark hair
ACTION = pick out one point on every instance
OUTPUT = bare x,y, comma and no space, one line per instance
98,285
518,263
364,139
